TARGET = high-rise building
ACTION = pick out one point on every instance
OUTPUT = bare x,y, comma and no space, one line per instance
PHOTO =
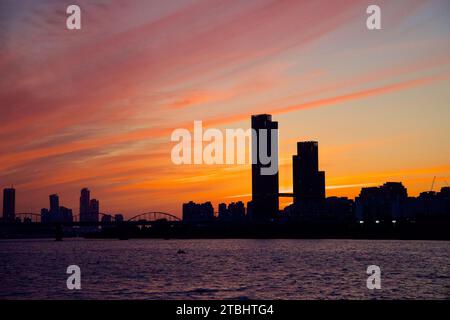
236,211
54,205
65,215
56,213
264,187
106,219
308,181
85,199
45,215
223,211
198,212
382,203
9,204
250,210
94,210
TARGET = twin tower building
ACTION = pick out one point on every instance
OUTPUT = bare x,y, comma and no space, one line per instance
308,181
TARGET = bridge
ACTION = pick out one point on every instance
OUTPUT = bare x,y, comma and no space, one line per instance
154,216
146,218
29,217
286,195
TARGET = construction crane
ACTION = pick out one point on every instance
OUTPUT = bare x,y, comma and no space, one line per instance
432,183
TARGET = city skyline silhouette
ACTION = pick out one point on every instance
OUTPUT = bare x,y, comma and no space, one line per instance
388,203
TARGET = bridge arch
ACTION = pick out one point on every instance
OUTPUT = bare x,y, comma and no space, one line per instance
34,217
154,216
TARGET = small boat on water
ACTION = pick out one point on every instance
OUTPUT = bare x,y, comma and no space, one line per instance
181,251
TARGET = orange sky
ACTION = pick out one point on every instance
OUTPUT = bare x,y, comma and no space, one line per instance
96,107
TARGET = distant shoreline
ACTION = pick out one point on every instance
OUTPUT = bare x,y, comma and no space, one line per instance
421,230
223,238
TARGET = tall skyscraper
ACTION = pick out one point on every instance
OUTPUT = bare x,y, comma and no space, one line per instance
85,199
94,210
264,187
9,204
308,181
54,205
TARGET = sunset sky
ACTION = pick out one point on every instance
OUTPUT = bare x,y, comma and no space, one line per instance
96,107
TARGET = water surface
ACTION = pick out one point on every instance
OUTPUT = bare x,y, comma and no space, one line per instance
224,269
